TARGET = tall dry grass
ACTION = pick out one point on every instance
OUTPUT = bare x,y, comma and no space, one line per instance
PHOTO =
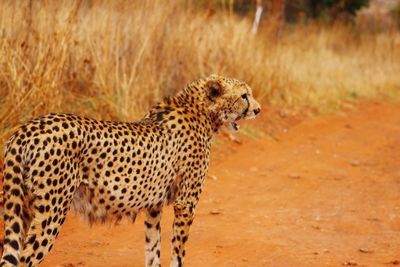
113,59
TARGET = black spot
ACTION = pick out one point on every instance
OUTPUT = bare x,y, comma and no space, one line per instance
148,225
44,242
16,169
55,231
15,227
154,213
14,245
15,192
11,259
39,256
44,223
41,208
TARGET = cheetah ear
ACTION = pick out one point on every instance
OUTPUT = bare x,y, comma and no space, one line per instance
213,89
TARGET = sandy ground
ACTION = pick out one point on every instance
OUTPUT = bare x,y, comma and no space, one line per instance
324,193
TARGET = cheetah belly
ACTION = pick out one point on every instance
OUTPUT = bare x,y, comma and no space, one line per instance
122,185
122,195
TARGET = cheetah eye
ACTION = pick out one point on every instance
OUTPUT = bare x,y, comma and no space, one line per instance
244,96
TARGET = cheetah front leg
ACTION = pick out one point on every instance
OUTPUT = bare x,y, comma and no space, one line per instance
184,212
152,232
184,215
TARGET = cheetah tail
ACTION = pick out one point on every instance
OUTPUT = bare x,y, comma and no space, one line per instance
13,207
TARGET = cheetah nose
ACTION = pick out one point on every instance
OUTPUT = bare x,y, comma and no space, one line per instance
257,110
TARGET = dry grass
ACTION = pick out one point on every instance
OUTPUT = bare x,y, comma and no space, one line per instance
112,59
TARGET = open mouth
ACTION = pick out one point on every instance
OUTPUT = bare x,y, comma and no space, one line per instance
233,126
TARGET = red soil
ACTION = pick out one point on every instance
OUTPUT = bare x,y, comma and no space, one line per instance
325,193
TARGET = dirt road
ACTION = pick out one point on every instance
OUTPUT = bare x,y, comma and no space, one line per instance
326,194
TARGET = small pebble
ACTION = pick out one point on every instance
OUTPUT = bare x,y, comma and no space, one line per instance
215,212
365,250
294,176
213,177
350,263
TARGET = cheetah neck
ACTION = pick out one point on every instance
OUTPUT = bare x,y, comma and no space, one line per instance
190,102
193,97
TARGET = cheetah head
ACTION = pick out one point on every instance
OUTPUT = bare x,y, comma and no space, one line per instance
229,100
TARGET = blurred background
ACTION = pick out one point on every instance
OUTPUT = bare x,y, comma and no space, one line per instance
113,59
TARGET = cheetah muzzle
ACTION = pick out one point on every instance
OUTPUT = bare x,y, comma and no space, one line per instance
110,170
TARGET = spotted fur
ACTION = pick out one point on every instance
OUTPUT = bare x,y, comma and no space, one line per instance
109,170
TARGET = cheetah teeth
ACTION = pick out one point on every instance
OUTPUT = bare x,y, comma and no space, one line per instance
235,126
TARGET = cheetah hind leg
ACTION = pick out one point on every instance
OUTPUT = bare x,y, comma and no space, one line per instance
152,232
45,224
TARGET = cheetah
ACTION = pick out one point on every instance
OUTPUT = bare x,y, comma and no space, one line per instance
108,170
